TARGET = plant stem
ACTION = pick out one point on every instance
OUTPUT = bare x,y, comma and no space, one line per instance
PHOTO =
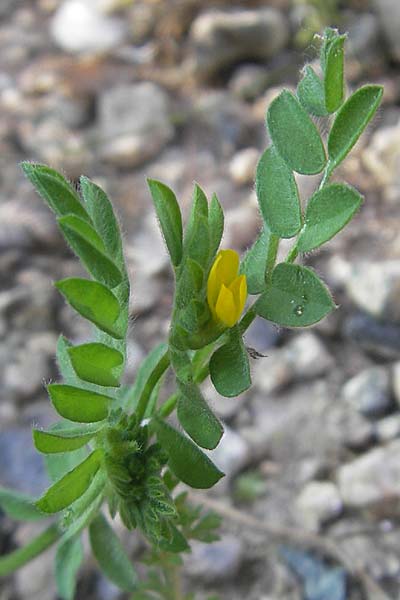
16,559
158,372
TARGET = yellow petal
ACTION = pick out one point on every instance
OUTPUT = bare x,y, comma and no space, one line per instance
213,284
228,266
225,308
239,291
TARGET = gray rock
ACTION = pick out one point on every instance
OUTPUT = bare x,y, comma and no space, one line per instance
317,503
389,16
249,81
79,26
231,454
388,429
22,467
216,562
396,381
52,142
35,580
27,225
364,41
309,356
305,357
30,366
134,122
262,335
369,392
223,121
372,478
220,39
374,287
382,159
381,339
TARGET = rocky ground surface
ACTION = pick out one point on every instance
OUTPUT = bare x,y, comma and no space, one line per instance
177,90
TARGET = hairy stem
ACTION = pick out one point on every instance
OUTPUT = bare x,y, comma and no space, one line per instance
16,559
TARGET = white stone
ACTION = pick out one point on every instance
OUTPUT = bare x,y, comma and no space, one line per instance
372,478
242,167
318,502
369,391
79,26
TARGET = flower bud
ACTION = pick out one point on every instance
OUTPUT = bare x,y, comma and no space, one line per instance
226,290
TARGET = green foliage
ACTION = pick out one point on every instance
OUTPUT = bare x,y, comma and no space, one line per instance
277,195
71,486
294,135
196,417
97,363
169,216
110,554
229,366
50,442
113,444
328,211
311,93
69,557
255,262
83,240
20,507
350,122
94,301
79,405
333,73
186,460
295,298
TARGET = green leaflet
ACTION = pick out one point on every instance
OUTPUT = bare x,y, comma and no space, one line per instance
69,557
110,554
64,440
215,225
20,507
64,362
229,366
71,486
294,135
97,363
83,229
186,459
77,404
190,281
334,74
277,195
295,298
55,190
254,263
59,464
328,211
196,417
150,371
196,242
94,301
93,259
77,516
311,94
350,122
170,218
103,218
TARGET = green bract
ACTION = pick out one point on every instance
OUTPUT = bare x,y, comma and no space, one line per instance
113,448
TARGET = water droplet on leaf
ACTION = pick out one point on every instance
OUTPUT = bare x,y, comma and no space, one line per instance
299,310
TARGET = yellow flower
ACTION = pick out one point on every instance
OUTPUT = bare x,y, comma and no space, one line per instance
226,290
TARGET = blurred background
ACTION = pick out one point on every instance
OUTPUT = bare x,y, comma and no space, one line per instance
177,90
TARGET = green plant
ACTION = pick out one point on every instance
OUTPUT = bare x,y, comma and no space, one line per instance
113,446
